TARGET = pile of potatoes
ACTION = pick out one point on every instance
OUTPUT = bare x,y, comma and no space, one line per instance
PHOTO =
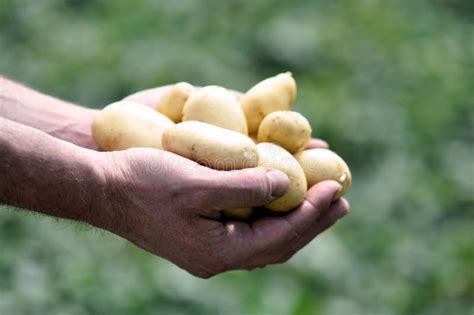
215,128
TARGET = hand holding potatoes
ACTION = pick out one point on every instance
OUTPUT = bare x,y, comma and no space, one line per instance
170,206
172,203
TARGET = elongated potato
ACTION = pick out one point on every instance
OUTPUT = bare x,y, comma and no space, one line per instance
273,156
288,129
123,125
270,95
238,213
217,106
171,103
322,164
212,146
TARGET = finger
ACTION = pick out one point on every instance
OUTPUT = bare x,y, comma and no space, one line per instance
339,210
317,202
277,232
317,144
245,188
274,239
280,233
253,245
336,211
148,97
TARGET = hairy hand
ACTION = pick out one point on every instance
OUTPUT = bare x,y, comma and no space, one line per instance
170,206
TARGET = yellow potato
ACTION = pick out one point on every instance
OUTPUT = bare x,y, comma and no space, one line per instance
212,146
216,106
238,213
274,156
172,101
123,125
270,95
288,129
322,164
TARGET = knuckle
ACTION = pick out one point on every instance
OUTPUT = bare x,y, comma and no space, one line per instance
260,189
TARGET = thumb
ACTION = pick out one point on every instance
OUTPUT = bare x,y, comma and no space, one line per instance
248,187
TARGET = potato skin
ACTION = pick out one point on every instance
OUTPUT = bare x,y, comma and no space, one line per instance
274,156
212,146
323,164
238,213
270,95
289,129
171,103
217,106
123,125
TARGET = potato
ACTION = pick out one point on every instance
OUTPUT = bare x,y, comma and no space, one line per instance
212,146
270,95
216,106
171,103
238,213
123,125
274,156
288,129
322,164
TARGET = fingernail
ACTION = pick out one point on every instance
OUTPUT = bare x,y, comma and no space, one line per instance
347,208
279,182
336,193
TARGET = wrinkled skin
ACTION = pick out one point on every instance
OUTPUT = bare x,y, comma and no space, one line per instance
170,206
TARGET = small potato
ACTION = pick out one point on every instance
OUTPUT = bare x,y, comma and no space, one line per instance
274,156
270,95
238,213
212,146
322,164
123,125
217,106
289,129
171,103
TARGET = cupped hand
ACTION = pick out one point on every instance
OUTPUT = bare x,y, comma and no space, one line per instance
170,206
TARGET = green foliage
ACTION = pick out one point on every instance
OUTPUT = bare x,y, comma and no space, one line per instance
388,83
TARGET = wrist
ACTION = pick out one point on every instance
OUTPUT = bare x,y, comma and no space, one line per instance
99,212
108,198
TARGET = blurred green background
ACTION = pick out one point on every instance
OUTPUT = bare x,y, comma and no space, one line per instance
390,84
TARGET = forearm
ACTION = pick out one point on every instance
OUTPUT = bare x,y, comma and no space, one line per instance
47,175
58,118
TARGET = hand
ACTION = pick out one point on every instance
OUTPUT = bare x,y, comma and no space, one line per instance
169,206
